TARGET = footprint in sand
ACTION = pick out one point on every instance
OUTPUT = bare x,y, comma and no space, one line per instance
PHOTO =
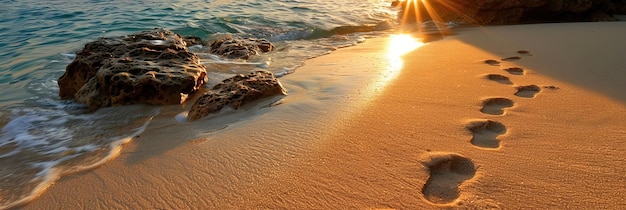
514,58
447,172
515,70
492,62
551,87
528,91
499,78
496,106
485,133
524,52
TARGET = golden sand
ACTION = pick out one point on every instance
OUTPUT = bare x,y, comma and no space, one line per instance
440,127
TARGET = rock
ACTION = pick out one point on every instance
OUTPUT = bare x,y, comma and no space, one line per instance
192,40
569,5
240,48
236,91
620,8
483,12
151,67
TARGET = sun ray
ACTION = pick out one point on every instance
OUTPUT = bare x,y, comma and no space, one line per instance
455,8
410,12
432,13
439,11
416,7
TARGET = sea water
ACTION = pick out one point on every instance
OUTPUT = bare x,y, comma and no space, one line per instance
43,137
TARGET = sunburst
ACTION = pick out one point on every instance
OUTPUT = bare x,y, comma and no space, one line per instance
416,11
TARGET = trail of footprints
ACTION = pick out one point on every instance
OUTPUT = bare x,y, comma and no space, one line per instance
449,170
485,132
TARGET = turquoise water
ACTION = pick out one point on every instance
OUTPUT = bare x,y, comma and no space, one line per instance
43,137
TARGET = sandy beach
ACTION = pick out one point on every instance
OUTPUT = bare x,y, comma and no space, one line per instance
500,117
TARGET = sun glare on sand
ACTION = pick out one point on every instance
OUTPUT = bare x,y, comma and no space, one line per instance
391,65
399,44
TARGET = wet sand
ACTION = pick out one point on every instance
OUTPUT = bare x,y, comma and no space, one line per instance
528,116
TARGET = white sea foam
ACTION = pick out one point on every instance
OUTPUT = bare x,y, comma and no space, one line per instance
70,56
196,48
181,117
54,141
157,42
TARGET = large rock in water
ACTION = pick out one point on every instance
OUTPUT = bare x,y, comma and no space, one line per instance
151,67
236,91
483,12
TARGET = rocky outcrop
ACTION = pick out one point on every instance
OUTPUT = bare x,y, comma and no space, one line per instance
151,67
511,11
236,91
155,67
234,47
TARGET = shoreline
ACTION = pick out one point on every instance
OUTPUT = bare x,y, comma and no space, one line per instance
407,142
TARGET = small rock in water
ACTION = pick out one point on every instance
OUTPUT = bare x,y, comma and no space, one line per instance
240,48
236,91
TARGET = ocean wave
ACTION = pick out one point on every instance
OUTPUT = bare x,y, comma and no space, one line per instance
39,144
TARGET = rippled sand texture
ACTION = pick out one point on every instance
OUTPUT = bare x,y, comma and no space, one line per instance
441,133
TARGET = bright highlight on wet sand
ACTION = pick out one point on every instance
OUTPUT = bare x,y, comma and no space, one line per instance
399,45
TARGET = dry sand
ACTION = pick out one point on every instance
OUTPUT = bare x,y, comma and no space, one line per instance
545,130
